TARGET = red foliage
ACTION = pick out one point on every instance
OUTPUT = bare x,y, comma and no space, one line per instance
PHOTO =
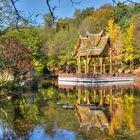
16,58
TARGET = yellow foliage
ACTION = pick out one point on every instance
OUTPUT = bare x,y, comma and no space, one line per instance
116,39
119,46
128,41
129,99
117,115
113,30
38,66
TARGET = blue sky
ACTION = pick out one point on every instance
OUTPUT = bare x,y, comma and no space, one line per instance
64,8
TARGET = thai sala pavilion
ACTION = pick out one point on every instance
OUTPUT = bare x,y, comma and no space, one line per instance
94,55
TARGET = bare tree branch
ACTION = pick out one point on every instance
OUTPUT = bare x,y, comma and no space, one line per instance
76,1
116,2
18,18
51,10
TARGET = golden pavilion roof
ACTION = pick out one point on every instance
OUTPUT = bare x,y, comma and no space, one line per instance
92,44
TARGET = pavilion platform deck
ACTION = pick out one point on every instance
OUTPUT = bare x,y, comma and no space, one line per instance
86,78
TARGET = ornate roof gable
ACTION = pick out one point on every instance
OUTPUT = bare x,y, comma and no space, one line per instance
94,38
93,44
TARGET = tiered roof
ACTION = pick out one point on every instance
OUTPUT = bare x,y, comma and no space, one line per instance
92,44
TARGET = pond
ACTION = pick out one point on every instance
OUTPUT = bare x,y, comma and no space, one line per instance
67,112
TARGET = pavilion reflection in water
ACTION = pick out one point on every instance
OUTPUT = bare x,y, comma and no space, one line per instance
105,108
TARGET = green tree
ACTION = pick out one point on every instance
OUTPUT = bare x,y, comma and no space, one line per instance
136,21
60,50
99,19
49,21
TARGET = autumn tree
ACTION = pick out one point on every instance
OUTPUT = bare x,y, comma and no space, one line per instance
31,38
136,21
129,45
98,20
116,41
113,30
62,24
16,59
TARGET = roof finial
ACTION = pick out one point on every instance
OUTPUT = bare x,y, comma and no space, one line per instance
102,31
107,35
87,33
79,35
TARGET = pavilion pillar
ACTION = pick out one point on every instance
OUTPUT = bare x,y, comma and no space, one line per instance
87,96
104,92
88,63
94,69
110,100
101,98
94,96
104,68
79,96
85,63
110,59
101,65
79,63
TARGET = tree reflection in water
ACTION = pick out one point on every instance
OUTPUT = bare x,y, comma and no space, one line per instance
113,108
19,117
100,112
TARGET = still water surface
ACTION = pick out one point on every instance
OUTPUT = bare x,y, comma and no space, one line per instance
72,113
